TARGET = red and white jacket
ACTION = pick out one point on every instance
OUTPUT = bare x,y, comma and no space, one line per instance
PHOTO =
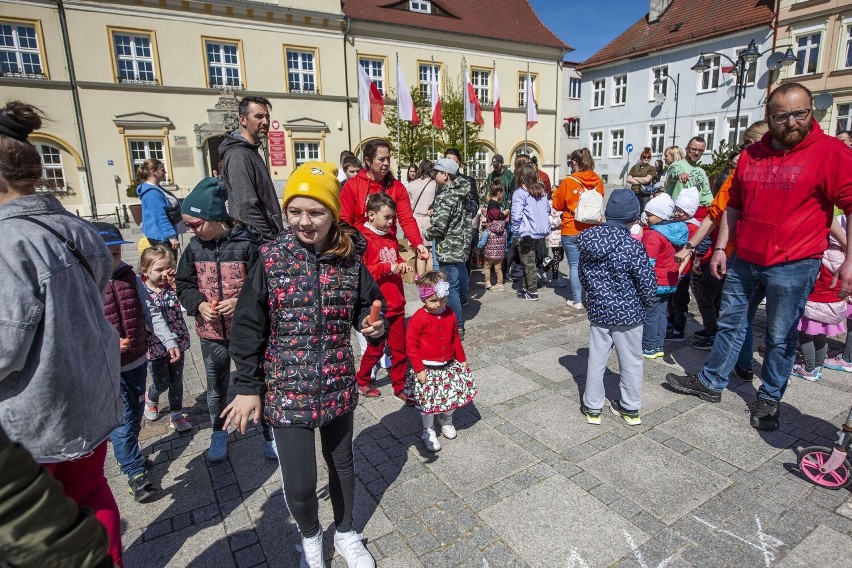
381,255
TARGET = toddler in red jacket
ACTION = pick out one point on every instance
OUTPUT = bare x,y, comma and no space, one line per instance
443,381
382,260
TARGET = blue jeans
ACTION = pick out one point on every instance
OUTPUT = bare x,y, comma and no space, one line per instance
457,278
654,329
786,287
572,253
125,438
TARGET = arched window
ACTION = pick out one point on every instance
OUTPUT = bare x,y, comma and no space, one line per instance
51,168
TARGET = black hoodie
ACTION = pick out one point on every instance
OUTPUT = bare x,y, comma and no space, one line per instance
251,195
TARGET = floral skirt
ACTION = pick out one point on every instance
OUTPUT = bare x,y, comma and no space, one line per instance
446,388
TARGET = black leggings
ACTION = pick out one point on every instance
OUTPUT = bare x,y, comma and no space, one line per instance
296,450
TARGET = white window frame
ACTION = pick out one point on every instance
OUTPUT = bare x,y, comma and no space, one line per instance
24,56
420,6
843,117
302,75
481,81
303,151
375,69
227,63
616,143
657,138
598,94
573,130
138,63
145,149
596,144
661,72
522,88
619,90
52,170
424,80
751,69
731,123
479,165
708,135
711,76
844,61
574,87
807,50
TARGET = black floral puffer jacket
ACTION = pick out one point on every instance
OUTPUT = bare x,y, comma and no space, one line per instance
290,338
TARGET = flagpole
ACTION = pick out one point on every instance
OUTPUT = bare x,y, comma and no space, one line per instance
358,62
398,144
465,102
493,102
527,129
432,104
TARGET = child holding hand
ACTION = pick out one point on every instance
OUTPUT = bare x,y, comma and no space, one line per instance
157,266
443,380
383,261
291,344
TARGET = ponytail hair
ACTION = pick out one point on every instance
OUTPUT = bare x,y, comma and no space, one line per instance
583,159
145,169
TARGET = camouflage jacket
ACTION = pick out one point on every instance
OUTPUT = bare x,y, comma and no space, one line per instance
450,227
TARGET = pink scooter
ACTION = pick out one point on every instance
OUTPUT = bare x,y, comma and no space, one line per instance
829,467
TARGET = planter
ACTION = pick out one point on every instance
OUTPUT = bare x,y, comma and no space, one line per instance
136,213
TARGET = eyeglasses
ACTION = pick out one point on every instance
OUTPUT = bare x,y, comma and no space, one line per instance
194,226
799,115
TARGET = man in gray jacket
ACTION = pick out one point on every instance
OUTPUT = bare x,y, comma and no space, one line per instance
251,195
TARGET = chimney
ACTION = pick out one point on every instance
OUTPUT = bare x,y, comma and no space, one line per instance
656,9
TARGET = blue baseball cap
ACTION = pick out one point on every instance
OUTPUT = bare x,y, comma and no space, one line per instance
110,234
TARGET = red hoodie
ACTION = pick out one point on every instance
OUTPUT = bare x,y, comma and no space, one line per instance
381,254
786,197
353,205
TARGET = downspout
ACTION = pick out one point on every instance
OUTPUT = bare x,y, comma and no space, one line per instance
346,81
559,79
78,111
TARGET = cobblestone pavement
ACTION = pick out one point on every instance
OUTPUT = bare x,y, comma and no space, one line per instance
527,482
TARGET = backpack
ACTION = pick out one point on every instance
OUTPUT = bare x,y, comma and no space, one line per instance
589,207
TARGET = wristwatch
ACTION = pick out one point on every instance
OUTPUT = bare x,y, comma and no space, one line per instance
688,246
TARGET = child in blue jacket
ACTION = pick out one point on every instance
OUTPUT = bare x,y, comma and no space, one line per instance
619,284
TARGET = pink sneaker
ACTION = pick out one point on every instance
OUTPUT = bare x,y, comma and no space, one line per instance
180,424
801,372
838,364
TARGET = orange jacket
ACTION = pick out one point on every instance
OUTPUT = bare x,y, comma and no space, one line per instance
567,195
714,211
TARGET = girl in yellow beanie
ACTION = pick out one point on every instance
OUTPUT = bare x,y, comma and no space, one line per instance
291,342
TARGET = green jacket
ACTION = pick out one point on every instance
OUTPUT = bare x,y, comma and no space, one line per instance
697,178
39,526
507,178
450,228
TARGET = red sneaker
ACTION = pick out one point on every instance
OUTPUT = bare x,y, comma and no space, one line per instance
409,401
369,392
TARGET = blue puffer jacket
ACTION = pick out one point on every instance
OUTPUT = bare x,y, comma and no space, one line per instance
616,274
155,220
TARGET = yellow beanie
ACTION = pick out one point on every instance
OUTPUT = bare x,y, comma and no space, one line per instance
316,180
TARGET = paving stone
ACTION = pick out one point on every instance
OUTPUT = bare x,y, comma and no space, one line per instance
586,524
251,556
655,477
193,546
498,384
745,448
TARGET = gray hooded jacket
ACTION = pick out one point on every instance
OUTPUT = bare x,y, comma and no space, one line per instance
59,357
251,195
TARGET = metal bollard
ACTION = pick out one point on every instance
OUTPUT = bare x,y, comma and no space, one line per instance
126,216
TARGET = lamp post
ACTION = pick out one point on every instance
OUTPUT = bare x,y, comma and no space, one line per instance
658,82
740,67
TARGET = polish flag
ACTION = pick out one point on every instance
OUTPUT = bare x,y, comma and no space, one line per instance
437,115
371,103
532,111
472,110
498,113
404,103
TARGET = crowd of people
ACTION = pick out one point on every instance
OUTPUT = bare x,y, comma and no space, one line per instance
276,286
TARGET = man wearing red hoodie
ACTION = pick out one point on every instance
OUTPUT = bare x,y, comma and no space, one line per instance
782,199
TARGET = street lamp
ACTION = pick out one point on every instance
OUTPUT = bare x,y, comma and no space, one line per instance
740,67
660,97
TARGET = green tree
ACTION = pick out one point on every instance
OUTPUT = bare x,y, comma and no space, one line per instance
415,142
718,163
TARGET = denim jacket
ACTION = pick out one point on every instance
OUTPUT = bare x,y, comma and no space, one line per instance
59,357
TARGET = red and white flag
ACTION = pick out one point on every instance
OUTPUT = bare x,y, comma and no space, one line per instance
472,110
498,113
404,103
532,111
435,97
371,103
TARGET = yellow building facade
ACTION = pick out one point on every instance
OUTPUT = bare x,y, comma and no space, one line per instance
162,78
820,33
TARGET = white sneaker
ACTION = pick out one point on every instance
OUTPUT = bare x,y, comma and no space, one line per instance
448,431
430,439
351,547
311,549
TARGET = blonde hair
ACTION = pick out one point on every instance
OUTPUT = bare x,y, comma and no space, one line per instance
756,131
152,254
675,151
430,278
